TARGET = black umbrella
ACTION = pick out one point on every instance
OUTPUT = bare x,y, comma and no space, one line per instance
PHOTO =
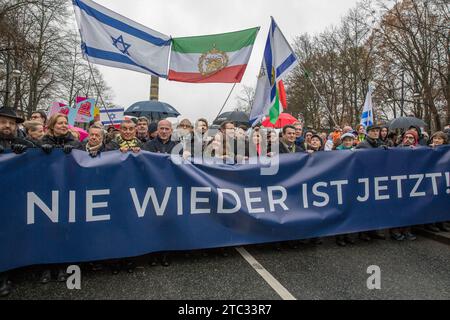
406,123
238,117
154,110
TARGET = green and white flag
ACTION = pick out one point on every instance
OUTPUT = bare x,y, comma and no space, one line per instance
220,58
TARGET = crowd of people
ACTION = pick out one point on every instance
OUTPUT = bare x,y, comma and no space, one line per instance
230,144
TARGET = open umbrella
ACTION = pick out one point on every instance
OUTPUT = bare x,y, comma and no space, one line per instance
405,123
285,119
154,110
238,117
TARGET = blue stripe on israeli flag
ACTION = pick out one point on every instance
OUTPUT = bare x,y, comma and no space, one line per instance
113,40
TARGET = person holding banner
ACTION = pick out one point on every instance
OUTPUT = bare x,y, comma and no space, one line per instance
59,136
9,140
126,141
372,141
163,142
94,144
410,140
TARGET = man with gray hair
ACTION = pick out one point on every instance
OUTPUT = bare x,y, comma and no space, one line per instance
163,142
94,144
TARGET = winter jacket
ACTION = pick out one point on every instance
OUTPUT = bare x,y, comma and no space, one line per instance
61,141
158,146
369,143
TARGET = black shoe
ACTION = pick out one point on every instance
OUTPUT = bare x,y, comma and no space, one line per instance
115,268
409,236
397,236
130,266
317,241
96,267
46,276
341,242
278,246
443,227
349,240
378,235
153,261
5,287
432,228
364,237
224,252
61,276
293,245
165,262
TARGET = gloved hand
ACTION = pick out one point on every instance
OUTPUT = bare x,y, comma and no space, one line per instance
2,149
68,148
94,154
18,148
47,148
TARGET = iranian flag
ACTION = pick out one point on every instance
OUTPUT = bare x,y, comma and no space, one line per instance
219,58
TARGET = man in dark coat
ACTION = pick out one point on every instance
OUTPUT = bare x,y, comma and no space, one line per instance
9,140
373,138
163,142
372,142
126,141
8,132
94,144
287,142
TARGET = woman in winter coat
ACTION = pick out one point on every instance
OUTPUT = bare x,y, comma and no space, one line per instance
59,136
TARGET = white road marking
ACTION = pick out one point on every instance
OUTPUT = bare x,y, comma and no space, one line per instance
274,283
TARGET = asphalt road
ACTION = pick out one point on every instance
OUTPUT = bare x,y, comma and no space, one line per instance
409,270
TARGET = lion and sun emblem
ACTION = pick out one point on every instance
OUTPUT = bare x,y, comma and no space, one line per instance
212,61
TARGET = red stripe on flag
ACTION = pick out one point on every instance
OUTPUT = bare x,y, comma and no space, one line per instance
282,93
232,74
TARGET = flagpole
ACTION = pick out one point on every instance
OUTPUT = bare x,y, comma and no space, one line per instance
320,96
229,95
98,92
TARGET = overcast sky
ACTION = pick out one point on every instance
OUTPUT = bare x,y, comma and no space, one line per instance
199,17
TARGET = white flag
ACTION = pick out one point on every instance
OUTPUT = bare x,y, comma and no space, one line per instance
113,40
367,115
279,59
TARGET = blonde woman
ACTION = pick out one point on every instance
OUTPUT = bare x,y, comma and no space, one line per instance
59,135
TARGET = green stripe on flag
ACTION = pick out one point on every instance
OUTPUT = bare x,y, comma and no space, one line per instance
274,112
227,42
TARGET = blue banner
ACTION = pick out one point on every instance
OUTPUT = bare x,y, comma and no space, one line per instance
72,208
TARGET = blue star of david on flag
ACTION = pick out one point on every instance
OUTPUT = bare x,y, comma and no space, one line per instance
120,44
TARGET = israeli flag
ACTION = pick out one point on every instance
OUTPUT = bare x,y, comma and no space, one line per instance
112,116
367,115
279,59
112,40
